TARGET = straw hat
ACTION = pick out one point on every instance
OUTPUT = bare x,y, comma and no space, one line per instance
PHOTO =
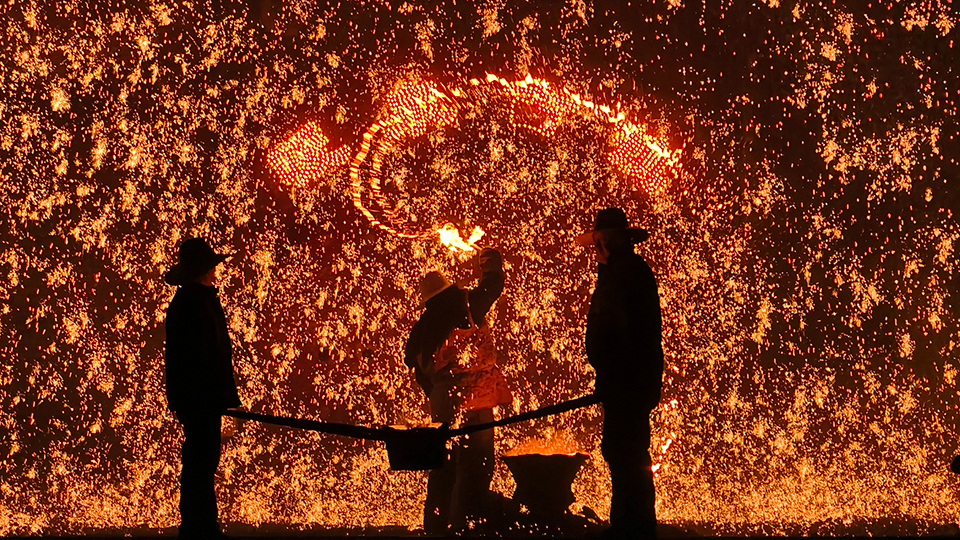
431,285
611,219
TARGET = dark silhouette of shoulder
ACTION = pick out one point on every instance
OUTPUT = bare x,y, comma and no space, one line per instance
198,355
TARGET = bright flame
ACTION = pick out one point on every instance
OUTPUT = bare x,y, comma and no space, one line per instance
663,452
450,237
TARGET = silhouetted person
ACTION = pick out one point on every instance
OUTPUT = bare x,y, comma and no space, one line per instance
200,381
450,330
623,346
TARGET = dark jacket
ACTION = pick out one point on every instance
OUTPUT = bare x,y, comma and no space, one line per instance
624,332
198,359
448,310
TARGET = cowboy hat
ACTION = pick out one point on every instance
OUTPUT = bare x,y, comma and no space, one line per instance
196,259
612,219
431,285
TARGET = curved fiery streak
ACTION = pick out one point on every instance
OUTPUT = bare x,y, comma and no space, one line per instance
550,105
416,108
412,110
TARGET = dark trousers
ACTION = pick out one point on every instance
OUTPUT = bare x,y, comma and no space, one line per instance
459,490
626,448
200,456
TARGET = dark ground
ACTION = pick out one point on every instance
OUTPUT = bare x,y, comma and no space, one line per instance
883,528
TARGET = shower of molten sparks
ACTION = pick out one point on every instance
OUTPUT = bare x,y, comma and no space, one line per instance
807,270
450,237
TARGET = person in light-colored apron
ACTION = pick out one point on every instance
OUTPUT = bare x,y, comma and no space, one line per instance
452,354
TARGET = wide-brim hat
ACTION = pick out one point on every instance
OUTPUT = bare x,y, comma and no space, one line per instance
613,219
431,285
196,259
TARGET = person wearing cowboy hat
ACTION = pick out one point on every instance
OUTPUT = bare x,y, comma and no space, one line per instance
450,350
200,381
623,344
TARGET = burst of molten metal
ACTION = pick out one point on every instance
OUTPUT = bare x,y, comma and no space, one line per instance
417,107
450,237
305,156
663,452
563,445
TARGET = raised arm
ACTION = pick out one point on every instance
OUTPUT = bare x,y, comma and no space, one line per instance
491,284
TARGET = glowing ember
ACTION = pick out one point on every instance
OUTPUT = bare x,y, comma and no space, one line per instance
558,445
450,237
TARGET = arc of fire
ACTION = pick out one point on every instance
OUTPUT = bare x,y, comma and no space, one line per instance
415,108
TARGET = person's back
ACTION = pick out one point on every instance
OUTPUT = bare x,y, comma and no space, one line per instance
448,309
454,320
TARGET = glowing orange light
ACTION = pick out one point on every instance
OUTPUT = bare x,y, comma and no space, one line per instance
548,103
562,445
642,158
304,156
450,237
663,452
115,130
415,108
412,109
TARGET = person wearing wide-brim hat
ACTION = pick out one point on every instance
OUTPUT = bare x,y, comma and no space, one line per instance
612,225
200,381
196,260
623,344
450,350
